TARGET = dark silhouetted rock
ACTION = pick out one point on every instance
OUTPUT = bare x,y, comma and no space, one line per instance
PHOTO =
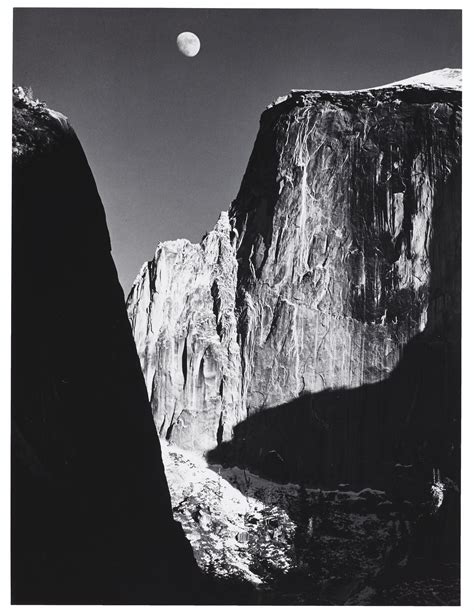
91,513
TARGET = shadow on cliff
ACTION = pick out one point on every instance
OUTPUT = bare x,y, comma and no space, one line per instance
387,435
390,434
357,436
411,418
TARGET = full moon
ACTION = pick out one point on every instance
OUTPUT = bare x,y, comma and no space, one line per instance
188,43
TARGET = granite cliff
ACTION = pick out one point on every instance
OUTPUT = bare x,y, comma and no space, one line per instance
182,311
91,511
314,332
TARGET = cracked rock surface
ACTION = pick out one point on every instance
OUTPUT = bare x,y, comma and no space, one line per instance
340,248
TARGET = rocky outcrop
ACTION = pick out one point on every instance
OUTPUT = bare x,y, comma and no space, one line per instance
340,252
182,311
91,511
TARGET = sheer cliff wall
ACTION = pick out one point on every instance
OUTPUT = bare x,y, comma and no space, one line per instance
341,248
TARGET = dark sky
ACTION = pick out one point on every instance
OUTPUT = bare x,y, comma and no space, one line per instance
168,137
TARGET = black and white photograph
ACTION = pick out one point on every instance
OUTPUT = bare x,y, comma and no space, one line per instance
236,306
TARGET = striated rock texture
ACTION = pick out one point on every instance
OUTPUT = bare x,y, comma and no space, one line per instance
335,222
91,511
341,250
182,311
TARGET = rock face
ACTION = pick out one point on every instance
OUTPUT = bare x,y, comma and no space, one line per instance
91,511
182,311
335,238
340,252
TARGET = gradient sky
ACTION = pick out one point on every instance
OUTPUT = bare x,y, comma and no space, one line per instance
168,137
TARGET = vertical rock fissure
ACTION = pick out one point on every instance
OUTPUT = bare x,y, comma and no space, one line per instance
169,431
184,361
216,307
220,429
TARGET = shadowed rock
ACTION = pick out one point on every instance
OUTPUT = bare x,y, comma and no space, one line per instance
91,513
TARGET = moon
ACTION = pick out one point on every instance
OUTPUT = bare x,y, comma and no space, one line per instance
188,43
